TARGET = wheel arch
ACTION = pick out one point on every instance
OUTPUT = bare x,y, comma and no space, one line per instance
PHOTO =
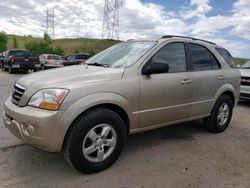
113,107
112,101
226,89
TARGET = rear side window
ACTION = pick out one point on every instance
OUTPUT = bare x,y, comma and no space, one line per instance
174,55
227,57
202,58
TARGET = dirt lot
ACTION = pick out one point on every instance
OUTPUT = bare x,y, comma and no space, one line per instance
184,155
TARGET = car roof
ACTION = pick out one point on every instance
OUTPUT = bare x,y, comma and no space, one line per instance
180,38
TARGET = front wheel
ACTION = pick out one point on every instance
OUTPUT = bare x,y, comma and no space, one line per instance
221,115
95,140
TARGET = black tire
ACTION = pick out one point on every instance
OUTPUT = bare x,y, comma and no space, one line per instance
211,122
3,68
36,69
11,71
73,143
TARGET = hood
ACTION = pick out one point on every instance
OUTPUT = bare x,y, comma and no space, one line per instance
245,72
68,77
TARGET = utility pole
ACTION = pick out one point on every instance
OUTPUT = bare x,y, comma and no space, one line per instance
110,27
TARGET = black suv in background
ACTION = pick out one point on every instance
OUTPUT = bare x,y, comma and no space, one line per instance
20,60
76,59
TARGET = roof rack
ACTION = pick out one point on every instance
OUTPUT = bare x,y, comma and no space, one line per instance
171,36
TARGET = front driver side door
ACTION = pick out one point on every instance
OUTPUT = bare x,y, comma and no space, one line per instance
166,97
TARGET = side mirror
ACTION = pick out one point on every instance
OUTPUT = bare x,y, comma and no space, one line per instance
156,67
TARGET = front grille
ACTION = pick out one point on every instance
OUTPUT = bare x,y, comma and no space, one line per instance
245,81
17,93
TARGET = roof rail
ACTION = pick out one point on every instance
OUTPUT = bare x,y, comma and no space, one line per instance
172,36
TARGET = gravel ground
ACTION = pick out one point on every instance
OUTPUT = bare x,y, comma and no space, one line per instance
183,155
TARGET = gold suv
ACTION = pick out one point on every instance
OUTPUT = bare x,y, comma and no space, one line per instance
87,111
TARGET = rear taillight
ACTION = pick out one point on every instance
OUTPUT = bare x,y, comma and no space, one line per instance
38,60
46,60
12,59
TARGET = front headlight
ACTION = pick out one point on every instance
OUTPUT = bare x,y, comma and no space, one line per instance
49,99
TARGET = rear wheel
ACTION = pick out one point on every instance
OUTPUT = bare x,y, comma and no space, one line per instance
95,140
221,115
11,71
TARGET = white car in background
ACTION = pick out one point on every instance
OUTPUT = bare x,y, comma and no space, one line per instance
51,61
245,81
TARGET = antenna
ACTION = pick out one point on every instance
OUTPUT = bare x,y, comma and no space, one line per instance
110,27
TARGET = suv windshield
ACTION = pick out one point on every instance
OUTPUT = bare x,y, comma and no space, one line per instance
122,55
246,65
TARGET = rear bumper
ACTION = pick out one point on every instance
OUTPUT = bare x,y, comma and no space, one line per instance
245,92
22,66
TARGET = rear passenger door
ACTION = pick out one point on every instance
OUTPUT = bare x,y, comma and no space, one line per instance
207,77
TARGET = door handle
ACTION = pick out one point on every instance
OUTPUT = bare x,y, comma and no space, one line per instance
221,77
186,81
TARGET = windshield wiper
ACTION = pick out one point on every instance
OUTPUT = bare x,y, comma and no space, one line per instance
98,64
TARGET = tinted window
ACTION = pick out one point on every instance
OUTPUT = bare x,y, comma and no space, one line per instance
202,58
71,57
227,57
19,53
54,57
82,56
174,55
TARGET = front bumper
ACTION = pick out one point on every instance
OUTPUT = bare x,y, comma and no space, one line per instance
245,92
34,126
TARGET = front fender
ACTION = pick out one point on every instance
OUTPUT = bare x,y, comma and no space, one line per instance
92,100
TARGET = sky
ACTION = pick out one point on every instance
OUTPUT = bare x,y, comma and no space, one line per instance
225,22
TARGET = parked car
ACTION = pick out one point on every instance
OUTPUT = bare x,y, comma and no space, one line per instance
51,61
76,59
245,81
87,111
20,60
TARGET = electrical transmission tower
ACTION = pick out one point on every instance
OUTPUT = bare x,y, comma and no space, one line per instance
110,27
50,22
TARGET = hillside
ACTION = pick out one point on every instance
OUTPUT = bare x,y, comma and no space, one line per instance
83,45
69,46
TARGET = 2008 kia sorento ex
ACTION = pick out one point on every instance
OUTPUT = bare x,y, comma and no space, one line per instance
86,111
